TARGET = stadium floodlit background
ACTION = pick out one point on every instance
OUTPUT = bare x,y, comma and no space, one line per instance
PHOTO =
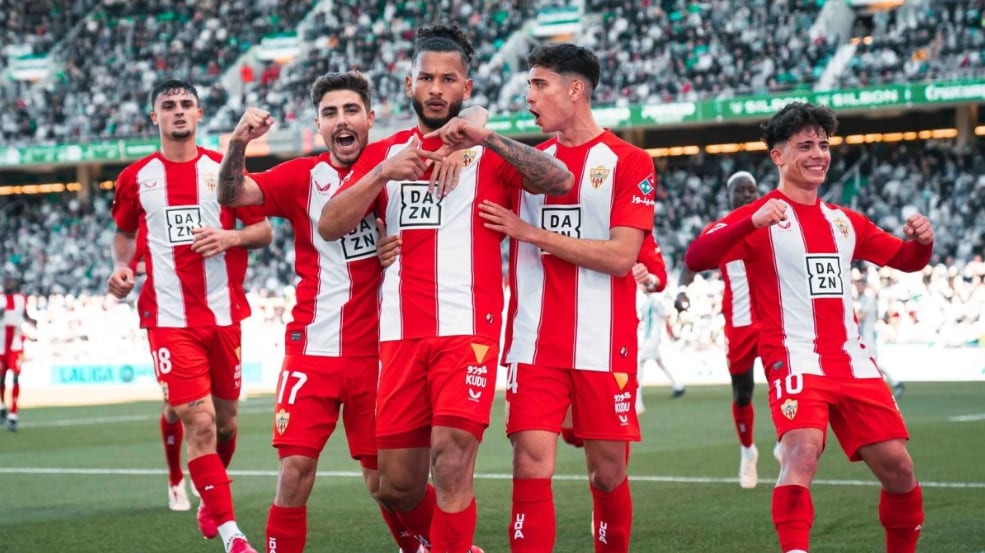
687,80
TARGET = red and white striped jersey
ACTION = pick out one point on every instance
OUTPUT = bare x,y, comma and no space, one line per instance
447,280
13,318
566,316
336,313
162,201
799,277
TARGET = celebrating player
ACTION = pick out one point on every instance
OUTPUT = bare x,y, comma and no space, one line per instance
442,299
797,252
193,299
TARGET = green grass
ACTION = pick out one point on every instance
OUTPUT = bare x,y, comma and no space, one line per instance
685,492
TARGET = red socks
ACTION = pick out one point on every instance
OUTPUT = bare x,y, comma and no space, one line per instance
744,417
406,540
453,532
612,519
225,450
418,520
287,529
793,515
901,514
212,483
533,526
171,435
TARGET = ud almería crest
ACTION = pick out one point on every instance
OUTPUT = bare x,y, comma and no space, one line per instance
597,176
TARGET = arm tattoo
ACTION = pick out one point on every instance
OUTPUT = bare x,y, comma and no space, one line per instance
542,172
231,173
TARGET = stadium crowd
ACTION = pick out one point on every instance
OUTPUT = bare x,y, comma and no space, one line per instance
105,56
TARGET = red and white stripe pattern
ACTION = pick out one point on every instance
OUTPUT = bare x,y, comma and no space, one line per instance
162,201
336,313
447,280
562,315
13,319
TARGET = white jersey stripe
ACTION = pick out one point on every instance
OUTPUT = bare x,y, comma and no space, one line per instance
455,257
216,273
530,289
167,286
741,299
324,336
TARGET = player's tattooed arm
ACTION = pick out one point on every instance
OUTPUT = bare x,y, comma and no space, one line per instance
231,173
542,172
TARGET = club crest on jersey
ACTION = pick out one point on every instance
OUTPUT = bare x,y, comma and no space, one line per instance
210,181
824,275
842,225
468,157
565,221
419,208
598,175
789,408
280,421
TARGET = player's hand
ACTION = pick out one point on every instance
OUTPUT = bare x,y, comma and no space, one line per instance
387,247
459,134
208,241
770,213
682,302
121,282
411,163
444,175
642,277
500,219
254,123
918,228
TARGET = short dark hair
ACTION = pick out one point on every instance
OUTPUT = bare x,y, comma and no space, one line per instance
795,117
444,38
350,80
567,58
172,85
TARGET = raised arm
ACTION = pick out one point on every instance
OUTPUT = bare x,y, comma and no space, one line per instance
710,246
236,188
542,173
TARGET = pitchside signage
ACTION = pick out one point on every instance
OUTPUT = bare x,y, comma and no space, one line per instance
649,115
124,374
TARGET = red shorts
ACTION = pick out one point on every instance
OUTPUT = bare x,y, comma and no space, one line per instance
861,411
310,394
741,348
191,363
442,381
11,361
603,404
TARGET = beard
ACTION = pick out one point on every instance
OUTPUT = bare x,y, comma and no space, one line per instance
435,123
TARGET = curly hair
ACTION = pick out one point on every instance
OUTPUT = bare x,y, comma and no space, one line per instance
795,117
444,38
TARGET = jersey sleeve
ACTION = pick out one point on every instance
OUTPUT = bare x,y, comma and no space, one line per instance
718,239
653,259
125,208
280,187
635,184
884,249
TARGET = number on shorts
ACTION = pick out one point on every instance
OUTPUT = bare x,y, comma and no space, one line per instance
794,384
162,360
299,377
511,383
